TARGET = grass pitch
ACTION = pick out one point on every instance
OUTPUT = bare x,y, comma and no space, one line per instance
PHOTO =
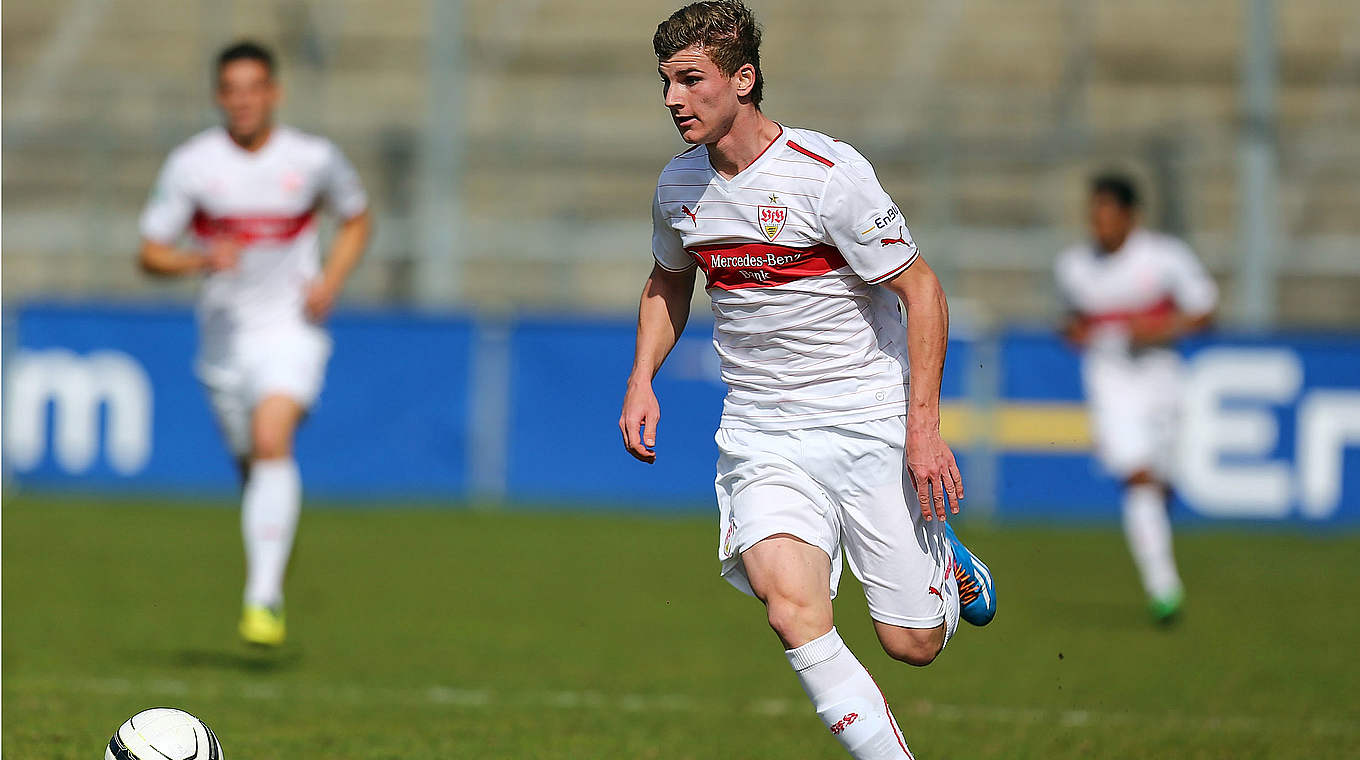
463,634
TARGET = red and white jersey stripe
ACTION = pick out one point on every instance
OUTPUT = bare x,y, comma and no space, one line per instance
1152,276
791,249
265,200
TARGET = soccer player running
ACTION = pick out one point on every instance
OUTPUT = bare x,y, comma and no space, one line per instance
824,446
248,193
1131,294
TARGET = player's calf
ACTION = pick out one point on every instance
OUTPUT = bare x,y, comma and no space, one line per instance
847,700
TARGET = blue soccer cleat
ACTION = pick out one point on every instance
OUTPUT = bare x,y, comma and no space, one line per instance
977,592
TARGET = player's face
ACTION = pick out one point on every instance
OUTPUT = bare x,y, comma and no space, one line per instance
247,95
703,101
1110,222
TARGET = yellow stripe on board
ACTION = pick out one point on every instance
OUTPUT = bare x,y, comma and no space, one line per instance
1034,427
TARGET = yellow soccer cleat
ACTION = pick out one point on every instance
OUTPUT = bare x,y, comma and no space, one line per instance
262,626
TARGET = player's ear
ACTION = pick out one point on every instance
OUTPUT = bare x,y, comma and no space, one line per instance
745,80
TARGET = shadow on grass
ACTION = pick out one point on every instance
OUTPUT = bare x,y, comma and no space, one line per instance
241,660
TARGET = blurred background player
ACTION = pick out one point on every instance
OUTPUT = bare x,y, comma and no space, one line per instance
824,447
248,193
1131,294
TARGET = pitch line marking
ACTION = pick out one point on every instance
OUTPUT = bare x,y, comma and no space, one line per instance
454,697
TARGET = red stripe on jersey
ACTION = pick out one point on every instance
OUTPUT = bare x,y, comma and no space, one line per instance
808,153
1160,310
252,229
763,265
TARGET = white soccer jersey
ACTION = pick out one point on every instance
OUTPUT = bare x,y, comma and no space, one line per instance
1151,275
1134,396
268,201
792,248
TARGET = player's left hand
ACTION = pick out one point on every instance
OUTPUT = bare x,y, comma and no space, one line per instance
1152,330
933,471
320,300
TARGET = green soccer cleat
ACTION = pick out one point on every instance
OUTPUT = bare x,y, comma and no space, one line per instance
262,626
1165,609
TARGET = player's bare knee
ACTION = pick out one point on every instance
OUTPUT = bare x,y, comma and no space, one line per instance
268,444
796,623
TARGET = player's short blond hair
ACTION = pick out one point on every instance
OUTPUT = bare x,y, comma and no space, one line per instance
726,30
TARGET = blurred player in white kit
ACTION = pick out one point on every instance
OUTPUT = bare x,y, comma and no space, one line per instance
248,193
1131,294
825,450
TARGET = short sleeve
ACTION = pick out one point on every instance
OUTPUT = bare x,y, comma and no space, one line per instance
344,192
667,247
1191,286
170,206
865,225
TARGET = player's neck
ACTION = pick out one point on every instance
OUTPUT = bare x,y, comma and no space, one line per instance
1110,247
252,142
751,133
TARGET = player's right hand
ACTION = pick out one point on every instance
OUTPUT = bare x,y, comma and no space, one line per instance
1076,332
641,412
222,255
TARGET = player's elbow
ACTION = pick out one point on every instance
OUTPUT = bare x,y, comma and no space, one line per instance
1202,321
148,259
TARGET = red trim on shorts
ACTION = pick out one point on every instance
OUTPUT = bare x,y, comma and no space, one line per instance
750,265
252,229
808,153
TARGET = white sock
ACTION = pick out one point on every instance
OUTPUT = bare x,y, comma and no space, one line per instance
1148,530
269,515
847,699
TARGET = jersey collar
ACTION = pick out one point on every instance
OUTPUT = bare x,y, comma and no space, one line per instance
770,150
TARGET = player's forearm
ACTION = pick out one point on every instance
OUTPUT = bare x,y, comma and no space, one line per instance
927,341
662,314
1165,332
167,261
351,239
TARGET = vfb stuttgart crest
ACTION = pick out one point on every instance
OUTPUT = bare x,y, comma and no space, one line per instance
772,218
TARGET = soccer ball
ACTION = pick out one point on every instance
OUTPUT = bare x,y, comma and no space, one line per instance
161,733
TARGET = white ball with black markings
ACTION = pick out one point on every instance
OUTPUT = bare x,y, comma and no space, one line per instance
163,733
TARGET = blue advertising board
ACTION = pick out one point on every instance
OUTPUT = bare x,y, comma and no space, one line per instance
449,408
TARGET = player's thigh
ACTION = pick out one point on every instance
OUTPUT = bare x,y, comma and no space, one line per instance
899,558
791,577
274,422
286,373
763,491
231,404
1164,383
1122,422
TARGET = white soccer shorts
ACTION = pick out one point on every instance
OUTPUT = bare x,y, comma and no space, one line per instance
836,488
289,361
1135,411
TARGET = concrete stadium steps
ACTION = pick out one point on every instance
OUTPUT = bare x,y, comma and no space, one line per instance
985,114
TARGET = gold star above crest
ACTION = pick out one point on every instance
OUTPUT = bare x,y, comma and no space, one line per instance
774,199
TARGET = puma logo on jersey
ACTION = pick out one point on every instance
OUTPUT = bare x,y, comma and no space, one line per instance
897,240
936,592
693,215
